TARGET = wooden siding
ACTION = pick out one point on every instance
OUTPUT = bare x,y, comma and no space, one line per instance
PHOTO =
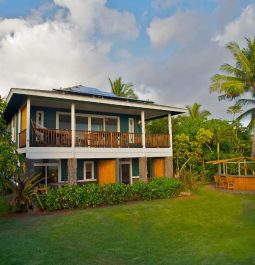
158,167
106,171
24,118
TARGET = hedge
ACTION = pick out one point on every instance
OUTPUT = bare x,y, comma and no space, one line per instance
92,195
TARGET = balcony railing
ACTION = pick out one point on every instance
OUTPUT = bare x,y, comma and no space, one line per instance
157,140
22,138
63,138
108,139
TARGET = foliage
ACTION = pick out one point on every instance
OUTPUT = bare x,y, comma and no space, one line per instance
194,112
92,195
9,158
23,192
121,89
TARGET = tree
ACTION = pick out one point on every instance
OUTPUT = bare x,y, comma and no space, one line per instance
121,89
235,109
239,79
9,158
195,112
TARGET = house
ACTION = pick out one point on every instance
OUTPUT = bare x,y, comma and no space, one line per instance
81,134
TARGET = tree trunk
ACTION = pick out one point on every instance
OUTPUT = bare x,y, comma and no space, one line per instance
253,145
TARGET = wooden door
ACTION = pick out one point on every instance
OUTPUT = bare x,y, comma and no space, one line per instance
24,118
106,171
158,167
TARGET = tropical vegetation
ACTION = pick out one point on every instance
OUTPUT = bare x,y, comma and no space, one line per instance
122,89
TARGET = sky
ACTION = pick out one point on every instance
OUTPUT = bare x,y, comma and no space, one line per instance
169,49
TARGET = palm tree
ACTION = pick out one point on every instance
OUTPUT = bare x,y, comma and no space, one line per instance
237,108
239,79
195,112
122,90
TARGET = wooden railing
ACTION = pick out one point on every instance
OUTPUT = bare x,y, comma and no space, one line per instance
63,138
108,139
22,138
50,137
157,140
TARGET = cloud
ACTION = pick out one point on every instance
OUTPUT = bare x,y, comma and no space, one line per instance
71,48
182,27
241,27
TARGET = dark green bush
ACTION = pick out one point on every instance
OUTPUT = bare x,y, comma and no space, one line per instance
92,195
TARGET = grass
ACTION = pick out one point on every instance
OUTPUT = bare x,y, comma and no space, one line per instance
3,206
209,228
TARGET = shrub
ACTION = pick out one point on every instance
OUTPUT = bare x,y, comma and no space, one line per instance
92,195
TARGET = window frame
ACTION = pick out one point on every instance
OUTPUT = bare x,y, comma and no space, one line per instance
84,171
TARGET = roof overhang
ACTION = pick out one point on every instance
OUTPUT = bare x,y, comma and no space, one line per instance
17,96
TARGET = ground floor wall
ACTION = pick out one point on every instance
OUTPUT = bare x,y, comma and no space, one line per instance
102,171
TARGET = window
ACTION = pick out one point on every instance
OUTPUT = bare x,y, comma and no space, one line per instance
88,172
39,119
111,125
64,121
97,124
81,123
48,172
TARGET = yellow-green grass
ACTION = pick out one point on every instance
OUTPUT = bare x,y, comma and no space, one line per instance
208,228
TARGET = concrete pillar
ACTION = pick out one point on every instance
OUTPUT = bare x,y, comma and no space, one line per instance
143,169
168,167
72,171
29,168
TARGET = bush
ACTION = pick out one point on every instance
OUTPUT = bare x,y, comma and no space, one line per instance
92,195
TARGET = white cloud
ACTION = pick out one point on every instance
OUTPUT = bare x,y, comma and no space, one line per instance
62,51
241,27
182,27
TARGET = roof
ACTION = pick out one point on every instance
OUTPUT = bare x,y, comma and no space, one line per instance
92,91
82,94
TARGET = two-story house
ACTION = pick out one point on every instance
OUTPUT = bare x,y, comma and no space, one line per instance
81,134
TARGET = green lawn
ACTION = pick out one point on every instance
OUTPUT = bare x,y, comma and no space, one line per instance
209,228
3,206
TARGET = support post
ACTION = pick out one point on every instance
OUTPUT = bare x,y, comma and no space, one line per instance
73,124
168,167
143,128
72,171
19,121
143,169
170,130
28,123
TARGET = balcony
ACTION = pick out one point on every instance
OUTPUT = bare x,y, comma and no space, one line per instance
42,137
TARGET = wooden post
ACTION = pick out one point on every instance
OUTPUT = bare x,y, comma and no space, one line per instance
239,169
245,168
28,123
73,124
143,128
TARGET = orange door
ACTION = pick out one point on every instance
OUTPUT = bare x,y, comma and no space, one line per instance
24,118
106,171
158,167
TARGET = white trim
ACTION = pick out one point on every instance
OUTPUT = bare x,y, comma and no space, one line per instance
84,172
93,153
143,128
19,119
73,122
13,128
37,117
28,123
170,129
57,95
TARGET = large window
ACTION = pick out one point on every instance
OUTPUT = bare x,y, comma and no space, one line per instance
47,172
81,123
111,125
88,171
64,121
97,124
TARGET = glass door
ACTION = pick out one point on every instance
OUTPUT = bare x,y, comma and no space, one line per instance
125,172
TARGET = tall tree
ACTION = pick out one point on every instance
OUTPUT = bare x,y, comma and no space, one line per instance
238,79
121,89
195,112
235,109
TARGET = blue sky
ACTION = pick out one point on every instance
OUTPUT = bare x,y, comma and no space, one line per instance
168,48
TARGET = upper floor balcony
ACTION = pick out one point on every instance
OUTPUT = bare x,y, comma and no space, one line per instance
43,137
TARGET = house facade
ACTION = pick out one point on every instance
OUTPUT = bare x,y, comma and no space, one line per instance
82,135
